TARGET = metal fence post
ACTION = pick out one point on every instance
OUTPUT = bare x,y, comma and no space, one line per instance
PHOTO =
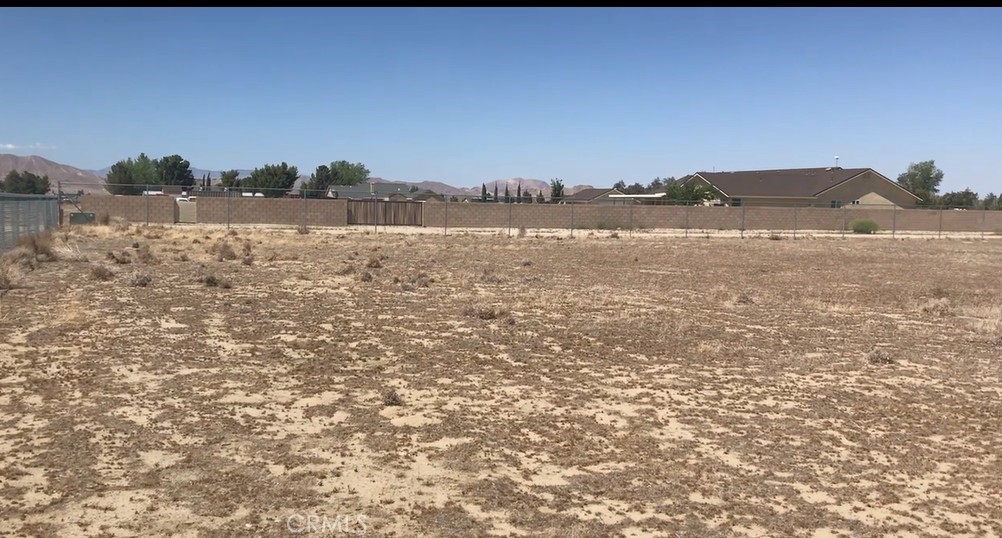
375,209
940,236
147,205
3,227
446,227
984,222
306,211
228,196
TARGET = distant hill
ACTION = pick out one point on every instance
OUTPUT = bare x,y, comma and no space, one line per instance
73,179
531,185
96,179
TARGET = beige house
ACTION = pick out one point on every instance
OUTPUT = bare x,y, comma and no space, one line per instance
592,196
806,187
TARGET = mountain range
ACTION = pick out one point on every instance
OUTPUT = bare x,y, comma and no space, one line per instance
92,181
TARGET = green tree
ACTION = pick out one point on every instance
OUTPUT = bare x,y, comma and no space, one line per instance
507,196
496,192
682,192
540,199
131,177
319,182
346,173
526,197
990,201
518,193
964,198
272,180
657,184
25,183
556,191
173,170
230,178
483,192
635,188
923,180
413,189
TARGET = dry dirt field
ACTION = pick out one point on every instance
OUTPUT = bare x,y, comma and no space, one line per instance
476,385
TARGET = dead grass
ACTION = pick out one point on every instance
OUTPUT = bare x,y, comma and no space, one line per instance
223,251
101,273
486,312
636,395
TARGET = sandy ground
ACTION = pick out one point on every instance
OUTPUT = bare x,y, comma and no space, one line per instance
547,386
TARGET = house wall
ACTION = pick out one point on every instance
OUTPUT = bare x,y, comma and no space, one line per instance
143,209
864,184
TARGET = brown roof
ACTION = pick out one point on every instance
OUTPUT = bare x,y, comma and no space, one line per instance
587,195
791,182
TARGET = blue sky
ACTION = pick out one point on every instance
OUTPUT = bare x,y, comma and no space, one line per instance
470,95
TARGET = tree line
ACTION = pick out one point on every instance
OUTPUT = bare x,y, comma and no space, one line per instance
923,179
25,183
134,176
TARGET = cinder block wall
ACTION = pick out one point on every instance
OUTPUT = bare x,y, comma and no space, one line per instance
288,211
139,209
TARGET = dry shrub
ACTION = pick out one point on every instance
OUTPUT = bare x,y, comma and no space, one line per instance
102,218
392,398
248,260
489,277
526,263
744,298
373,263
102,273
40,245
119,224
521,232
486,312
141,281
614,235
146,256
21,257
212,281
302,229
150,232
775,237
121,258
247,248
223,250
7,277
365,276
345,270
879,356
937,307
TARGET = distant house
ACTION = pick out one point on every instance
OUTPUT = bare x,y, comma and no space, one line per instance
392,192
806,187
592,196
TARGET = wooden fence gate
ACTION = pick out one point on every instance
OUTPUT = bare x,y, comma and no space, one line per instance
385,213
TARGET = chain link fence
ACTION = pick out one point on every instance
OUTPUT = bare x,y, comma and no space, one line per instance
452,214
26,214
